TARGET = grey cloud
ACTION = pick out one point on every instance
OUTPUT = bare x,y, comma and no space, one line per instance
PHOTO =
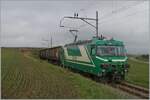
27,23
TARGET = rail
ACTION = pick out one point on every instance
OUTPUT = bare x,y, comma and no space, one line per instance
134,89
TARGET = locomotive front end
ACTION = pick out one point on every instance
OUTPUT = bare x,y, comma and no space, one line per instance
114,70
112,60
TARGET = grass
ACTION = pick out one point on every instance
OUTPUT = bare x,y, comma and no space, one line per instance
24,76
138,73
142,59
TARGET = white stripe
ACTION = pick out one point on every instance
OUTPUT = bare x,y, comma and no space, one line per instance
115,60
90,56
119,59
81,63
101,58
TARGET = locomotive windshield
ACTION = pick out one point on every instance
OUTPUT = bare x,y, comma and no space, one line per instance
110,51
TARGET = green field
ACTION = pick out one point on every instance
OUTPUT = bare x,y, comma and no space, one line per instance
138,73
24,76
142,59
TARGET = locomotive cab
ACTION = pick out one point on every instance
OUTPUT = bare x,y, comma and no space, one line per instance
110,57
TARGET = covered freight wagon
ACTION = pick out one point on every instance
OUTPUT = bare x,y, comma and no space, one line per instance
51,54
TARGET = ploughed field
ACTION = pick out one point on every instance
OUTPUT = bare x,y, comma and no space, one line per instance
26,76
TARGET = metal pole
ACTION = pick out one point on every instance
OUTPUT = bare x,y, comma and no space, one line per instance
84,19
96,23
51,41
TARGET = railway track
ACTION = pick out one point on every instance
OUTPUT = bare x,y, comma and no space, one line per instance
124,86
134,89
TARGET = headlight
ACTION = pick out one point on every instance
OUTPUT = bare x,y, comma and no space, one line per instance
115,72
103,70
126,70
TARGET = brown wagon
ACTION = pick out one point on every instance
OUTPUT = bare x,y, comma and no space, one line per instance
51,54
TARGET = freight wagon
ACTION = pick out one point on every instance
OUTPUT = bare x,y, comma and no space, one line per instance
99,57
51,54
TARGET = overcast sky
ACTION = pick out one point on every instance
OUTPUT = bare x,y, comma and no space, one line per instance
28,23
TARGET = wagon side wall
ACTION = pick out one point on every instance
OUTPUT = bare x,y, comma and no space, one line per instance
51,54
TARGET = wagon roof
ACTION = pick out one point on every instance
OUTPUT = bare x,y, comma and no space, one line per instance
51,48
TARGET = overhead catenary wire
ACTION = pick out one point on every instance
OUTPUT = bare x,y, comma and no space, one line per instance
121,9
81,10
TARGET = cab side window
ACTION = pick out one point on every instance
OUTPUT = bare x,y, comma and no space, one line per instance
93,50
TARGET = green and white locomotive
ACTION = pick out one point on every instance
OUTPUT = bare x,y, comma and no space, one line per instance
99,57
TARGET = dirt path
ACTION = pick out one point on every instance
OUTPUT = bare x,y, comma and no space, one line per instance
27,54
